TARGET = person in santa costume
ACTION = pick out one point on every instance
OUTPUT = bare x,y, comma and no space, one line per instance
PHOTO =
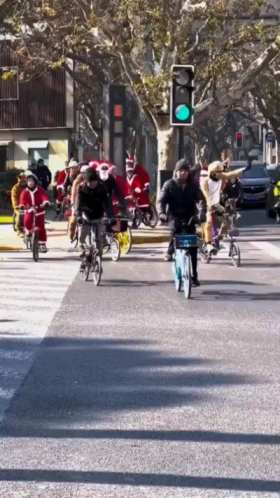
138,169
34,200
122,188
65,180
136,190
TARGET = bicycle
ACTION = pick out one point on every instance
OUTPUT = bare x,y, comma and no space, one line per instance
92,258
234,253
182,262
147,215
31,239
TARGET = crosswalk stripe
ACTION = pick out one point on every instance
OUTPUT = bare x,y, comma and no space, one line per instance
31,294
268,247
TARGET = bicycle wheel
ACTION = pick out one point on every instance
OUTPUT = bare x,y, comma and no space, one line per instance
150,217
187,279
234,254
115,249
86,271
97,270
137,218
35,246
177,274
205,256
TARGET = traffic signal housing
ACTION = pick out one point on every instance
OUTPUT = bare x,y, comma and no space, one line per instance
182,95
239,139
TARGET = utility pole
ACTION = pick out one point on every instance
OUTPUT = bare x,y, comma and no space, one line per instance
115,125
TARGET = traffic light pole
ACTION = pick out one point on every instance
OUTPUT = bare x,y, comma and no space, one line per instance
115,125
181,148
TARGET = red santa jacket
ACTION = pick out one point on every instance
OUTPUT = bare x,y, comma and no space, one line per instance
34,198
135,188
62,179
144,175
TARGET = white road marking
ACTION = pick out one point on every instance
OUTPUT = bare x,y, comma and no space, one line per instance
267,247
31,294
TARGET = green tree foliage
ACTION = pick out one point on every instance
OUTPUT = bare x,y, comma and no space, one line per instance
137,41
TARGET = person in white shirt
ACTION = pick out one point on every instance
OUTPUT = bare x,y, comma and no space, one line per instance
211,188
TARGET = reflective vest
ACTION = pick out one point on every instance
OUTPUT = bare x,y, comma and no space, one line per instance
276,190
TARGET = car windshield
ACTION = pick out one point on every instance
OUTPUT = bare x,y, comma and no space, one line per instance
256,171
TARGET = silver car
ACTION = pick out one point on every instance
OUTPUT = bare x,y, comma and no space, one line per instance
255,184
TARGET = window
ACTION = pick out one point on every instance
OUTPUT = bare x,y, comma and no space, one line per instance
35,154
3,158
9,87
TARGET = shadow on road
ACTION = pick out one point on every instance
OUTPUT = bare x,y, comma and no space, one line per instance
142,435
88,380
137,479
240,295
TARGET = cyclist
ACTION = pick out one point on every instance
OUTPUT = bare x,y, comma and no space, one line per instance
111,186
65,180
212,189
276,198
15,196
180,196
60,180
93,201
138,169
137,190
34,199
121,186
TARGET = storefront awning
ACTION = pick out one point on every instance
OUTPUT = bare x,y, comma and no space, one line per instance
5,143
38,144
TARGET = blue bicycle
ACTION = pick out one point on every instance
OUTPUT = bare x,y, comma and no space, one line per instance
182,263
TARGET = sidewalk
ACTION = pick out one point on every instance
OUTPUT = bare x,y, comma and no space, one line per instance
57,236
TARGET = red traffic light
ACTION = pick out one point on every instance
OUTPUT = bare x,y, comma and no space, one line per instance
118,111
239,139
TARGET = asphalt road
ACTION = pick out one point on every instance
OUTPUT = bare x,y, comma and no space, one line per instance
134,392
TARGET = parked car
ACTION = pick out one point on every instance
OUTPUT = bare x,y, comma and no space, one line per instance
255,183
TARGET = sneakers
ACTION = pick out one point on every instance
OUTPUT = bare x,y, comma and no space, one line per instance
167,257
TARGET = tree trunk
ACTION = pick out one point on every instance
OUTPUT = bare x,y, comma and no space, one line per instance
165,146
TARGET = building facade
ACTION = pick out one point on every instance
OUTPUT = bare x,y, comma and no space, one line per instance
36,116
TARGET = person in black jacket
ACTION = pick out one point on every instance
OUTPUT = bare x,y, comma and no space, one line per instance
178,198
111,187
94,203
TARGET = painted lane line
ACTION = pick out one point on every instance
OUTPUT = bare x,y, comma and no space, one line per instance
269,248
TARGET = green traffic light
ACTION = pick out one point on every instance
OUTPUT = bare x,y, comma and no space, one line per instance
182,112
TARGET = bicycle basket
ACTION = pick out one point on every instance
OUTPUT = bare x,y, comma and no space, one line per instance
185,241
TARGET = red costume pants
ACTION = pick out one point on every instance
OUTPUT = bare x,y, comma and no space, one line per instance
39,223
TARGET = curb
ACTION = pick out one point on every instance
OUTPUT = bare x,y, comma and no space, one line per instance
136,240
10,248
